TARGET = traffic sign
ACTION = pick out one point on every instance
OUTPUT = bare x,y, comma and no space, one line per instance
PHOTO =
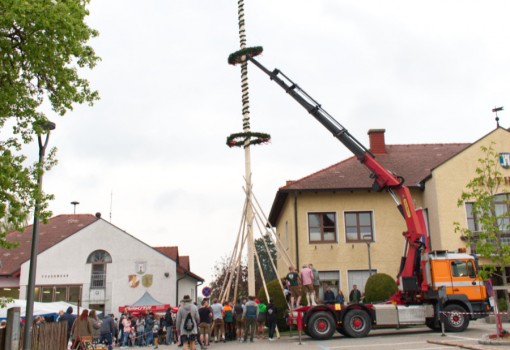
488,288
206,291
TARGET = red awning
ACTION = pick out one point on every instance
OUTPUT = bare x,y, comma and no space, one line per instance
144,308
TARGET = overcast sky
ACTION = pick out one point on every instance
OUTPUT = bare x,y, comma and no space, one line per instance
152,151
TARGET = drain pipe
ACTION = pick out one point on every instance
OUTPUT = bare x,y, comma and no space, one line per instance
296,228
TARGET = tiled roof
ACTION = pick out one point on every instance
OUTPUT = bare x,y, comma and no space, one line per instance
183,265
184,262
171,252
57,229
413,162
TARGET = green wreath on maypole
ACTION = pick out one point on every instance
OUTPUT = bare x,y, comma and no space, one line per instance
242,55
245,139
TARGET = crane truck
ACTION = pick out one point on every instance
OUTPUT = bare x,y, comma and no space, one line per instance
433,286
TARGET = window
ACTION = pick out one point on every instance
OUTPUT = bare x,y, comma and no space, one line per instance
329,279
98,276
51,293
322,227
98,259
463,269
358,226
358,278
472,219
501,206
47,294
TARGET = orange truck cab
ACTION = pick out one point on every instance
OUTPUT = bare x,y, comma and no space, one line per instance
457,273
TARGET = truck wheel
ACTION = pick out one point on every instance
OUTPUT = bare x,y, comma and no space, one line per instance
433,324
455,318
356,323
321,325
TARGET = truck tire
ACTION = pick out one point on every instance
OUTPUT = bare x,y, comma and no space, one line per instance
321,325
433,324
357,323
455,318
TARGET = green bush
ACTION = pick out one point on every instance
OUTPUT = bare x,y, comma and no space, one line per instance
502,306
379,287
275,293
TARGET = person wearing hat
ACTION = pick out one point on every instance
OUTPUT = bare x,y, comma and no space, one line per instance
187,337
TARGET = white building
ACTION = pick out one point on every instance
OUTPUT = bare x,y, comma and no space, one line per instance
83,258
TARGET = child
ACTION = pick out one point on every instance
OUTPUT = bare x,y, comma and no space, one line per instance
155,330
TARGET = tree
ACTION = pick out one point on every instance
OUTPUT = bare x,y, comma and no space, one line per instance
487,203
265,261
222,272
42,47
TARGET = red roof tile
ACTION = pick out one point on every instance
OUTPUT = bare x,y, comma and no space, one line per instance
413,162
184,262
57,229
171,252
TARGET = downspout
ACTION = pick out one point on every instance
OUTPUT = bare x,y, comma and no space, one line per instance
296,229
196,290
177,289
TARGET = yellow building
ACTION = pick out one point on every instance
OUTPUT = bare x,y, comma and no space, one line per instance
334,219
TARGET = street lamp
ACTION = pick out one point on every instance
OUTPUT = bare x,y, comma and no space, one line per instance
27,339
368,240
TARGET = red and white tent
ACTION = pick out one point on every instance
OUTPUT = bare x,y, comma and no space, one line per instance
145,304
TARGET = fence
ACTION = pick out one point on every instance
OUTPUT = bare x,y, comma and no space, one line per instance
48,336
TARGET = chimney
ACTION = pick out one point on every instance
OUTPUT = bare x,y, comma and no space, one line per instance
376,137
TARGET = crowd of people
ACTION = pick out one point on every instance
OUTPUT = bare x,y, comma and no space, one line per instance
222,322
191,325
202,325
308,280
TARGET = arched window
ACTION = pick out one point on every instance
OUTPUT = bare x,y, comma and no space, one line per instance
98,259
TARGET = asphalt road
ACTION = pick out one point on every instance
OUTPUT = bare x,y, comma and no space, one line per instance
405,339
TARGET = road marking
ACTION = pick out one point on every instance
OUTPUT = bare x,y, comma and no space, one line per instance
456,336
373,346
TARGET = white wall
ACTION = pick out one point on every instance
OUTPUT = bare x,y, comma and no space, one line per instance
65,264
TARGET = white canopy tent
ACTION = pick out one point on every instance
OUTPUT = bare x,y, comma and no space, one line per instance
40,309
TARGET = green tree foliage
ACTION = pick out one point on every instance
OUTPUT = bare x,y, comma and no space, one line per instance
379,287
488,200
43,44
275,293
265,261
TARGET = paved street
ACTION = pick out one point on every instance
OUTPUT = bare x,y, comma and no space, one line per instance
406,339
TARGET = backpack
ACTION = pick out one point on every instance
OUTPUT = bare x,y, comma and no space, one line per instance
188,323
251,311
228,316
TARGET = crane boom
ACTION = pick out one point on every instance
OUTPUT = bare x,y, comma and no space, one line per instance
383,179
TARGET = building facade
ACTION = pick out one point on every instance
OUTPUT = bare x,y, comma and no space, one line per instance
87,260
335,220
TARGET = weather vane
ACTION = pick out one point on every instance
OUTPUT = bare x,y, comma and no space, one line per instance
496,110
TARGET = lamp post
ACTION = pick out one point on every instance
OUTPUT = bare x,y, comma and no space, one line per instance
27,339
368,240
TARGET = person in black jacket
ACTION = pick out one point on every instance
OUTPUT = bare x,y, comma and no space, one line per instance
107,331
169,323
70,318
271,311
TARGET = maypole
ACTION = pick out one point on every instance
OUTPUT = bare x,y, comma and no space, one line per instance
246,139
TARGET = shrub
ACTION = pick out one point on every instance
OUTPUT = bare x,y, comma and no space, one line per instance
379,287
275,292
502,306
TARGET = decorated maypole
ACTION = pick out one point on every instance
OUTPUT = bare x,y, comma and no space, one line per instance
246,139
